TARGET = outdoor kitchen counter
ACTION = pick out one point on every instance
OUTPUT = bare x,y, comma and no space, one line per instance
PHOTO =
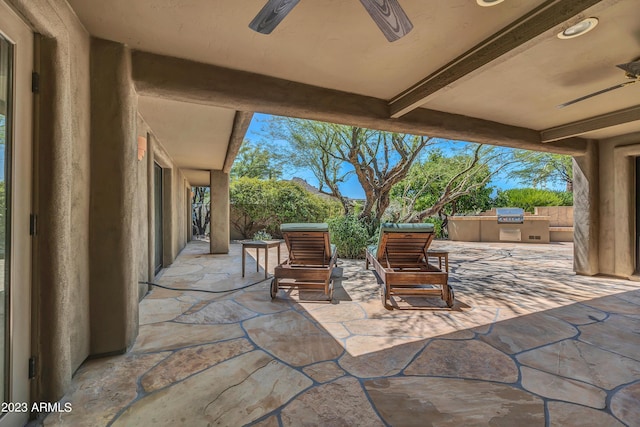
481,228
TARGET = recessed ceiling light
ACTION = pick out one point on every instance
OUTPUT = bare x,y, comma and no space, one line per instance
486,3
579,29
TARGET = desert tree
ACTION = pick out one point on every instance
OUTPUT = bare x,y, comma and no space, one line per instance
445,185
541,169
333,152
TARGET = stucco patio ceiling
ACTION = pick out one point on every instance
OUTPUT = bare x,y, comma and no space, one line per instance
502,67
199,138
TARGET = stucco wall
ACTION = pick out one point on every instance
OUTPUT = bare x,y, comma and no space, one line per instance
61,295
90,197
175,186
617,205
175,207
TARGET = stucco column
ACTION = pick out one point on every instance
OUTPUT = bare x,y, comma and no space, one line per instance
586,202
219,212
54,274
113,267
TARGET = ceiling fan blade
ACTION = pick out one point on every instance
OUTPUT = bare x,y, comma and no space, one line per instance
389,17
271,15
632,68
600,92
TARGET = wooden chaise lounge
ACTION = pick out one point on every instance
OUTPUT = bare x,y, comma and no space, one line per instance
311,259
401,261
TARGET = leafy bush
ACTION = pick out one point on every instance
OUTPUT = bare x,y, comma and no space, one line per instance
438,224
265,204
349,235
566,197
529,198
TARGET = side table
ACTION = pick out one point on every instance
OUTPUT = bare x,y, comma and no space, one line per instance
442,256
257,245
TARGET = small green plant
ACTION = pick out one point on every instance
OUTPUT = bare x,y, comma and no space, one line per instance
349,235
262,235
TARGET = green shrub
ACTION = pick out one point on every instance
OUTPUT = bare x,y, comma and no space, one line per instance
529,198
566,197
265,204
349,235
438,225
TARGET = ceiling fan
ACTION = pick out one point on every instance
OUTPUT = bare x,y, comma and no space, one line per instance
632,72
387,14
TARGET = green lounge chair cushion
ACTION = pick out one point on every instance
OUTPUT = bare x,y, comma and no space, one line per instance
393,227
419,227
301,226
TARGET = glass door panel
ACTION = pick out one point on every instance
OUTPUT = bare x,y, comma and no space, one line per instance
5,143
157,198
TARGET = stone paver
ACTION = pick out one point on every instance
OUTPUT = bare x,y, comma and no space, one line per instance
102,388
229,394
624,404
559,388
583,362
525,335
169,336
368,357
562,414
162,310
613,335
292,338
462,359
324,371
186,362
417,401
218,312
339,403
526,332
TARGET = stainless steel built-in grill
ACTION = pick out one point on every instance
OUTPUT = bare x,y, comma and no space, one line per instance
510,215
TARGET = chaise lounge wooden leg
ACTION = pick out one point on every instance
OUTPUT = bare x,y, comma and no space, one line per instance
450,296
384,296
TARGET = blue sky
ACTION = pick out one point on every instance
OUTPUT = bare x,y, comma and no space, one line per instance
257,133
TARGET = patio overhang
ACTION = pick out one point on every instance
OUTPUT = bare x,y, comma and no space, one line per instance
186,81
485,74
199,138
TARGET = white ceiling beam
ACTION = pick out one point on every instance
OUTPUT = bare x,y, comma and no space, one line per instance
591,124
541,19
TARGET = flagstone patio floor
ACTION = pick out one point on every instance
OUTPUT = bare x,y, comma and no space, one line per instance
527,343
